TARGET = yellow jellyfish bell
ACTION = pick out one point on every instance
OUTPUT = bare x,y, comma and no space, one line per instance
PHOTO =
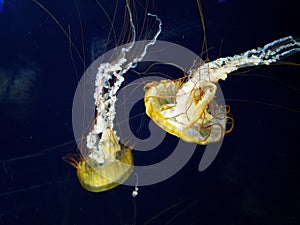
187,109
95,177
107,177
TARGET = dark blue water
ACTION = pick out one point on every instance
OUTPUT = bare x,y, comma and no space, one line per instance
254,177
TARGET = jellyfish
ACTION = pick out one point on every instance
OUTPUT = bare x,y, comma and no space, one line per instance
107,162
186,107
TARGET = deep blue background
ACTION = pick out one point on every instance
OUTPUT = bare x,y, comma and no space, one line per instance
254,177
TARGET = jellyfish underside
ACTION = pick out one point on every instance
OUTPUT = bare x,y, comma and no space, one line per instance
95,177
185,111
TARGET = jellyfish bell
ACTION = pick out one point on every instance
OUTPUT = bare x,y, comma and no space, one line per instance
97,177
187,110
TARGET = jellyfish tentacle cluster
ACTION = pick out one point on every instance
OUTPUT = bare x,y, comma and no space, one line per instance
218,69
187,108
102,134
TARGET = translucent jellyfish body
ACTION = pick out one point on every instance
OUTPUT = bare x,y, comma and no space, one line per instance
182,109
186,107
105,162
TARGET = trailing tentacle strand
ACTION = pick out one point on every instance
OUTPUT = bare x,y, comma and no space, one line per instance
102,141
270,53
